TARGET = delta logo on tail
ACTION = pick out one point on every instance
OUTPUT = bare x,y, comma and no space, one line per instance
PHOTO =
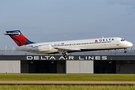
18,37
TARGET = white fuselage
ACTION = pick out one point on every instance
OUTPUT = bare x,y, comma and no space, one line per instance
77,45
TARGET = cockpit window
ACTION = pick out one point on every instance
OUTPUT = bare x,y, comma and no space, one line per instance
122,39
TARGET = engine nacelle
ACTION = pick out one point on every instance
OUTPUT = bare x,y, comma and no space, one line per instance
42,48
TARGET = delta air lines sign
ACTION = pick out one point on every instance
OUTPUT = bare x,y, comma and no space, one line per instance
68,58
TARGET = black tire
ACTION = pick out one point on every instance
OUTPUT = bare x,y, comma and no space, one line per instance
65,55
125,51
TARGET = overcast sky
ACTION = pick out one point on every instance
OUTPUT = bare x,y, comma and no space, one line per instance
56,20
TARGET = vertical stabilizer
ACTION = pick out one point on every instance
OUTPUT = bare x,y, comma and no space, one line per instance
18,37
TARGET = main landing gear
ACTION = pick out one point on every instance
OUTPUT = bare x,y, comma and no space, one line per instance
64,53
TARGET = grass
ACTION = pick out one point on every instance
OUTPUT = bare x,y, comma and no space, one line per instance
67,77
61,87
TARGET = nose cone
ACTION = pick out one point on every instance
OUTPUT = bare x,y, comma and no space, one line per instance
129,44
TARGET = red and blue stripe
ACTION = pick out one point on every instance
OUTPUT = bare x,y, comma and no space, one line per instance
19,39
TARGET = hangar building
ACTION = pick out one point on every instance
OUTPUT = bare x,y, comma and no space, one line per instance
83,63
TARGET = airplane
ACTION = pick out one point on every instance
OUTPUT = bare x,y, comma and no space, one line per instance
65,47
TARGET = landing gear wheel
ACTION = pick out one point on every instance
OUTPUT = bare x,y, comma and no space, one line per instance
65,55
125,51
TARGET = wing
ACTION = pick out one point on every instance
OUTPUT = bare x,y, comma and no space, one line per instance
67,49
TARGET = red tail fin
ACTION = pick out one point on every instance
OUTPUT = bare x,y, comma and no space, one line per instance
18,37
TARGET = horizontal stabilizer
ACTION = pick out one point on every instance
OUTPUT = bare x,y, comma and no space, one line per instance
68,49
12,34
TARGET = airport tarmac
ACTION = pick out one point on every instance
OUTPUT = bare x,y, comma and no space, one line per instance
67,82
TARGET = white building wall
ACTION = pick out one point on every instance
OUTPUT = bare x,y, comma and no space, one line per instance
9,66
79,67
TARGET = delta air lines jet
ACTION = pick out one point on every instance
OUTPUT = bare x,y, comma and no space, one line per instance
65,47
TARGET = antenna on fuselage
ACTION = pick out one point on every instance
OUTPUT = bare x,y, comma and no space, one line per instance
102,37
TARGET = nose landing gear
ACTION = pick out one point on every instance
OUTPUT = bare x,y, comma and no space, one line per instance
125,51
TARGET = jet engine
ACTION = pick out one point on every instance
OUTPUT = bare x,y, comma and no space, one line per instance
42,48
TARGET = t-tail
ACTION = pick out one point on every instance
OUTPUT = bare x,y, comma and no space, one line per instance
18,37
